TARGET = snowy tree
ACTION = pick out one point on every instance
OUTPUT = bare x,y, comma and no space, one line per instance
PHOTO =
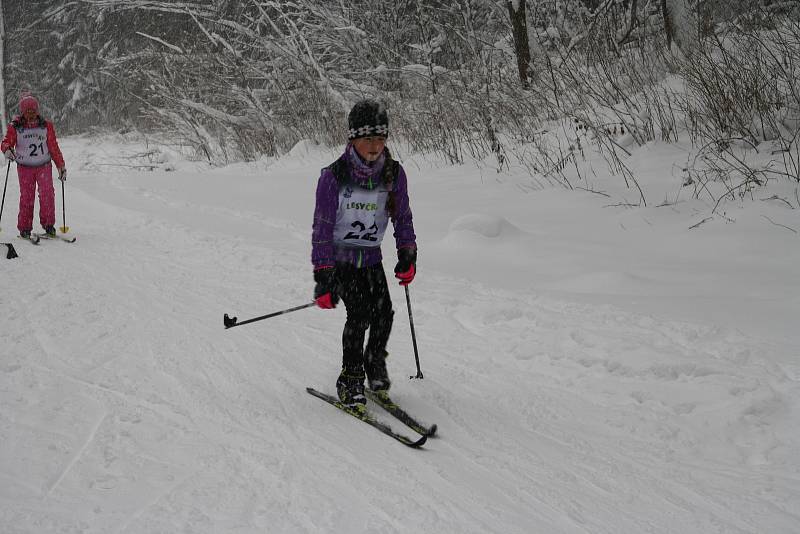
238,79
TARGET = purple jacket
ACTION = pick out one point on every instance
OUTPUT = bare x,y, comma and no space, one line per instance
324,252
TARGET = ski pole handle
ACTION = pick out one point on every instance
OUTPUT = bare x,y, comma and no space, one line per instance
230,322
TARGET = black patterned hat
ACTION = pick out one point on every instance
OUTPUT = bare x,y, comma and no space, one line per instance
367,118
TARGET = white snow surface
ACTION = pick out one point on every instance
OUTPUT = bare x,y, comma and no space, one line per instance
592,367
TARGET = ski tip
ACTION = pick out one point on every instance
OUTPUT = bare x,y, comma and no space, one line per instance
417,444
431,431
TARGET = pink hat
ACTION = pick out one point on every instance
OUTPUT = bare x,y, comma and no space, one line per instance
28,102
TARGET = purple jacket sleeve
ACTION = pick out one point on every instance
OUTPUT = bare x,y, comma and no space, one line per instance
322,251
403,224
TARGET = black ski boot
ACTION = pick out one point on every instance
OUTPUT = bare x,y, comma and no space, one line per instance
377,376
50,230
350,388
25,234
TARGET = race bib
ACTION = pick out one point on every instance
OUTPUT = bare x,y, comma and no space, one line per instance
361,219
32,147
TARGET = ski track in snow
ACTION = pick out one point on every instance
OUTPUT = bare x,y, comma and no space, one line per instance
126,407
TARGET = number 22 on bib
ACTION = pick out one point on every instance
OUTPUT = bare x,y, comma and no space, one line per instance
361,219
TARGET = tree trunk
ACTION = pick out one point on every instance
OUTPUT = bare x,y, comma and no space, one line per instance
519,29
3,120
681,24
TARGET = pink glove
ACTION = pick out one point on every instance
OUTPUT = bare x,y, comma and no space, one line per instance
326,301
406,277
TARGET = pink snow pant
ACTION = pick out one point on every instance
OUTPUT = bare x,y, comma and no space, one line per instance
29,178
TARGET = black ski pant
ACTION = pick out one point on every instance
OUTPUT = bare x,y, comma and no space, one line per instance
365,294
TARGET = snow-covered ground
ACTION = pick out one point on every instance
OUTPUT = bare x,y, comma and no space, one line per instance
592,367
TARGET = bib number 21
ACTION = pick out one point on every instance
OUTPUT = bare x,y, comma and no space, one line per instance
33,149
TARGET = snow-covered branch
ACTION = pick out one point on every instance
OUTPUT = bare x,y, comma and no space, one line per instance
161,41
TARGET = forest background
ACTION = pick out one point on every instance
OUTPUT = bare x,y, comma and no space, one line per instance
507,81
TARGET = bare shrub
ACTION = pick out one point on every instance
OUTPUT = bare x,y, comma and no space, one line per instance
743,100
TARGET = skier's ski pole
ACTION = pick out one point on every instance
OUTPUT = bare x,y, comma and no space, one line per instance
4,191
12,253
413,335
64,229
230,322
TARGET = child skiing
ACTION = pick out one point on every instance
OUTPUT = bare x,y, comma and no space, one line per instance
356,196
31,142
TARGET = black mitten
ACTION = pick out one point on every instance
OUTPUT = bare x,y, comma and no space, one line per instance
406,257
325,283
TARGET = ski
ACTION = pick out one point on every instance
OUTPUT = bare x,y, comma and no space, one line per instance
382,399
33,239
61,237
363,415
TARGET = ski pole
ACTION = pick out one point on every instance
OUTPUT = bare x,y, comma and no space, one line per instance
64,229
413,335
4,191
12,253
230,322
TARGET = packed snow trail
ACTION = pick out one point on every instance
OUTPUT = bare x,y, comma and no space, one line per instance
127,407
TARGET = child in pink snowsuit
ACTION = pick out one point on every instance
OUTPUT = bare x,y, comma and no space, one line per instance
31,142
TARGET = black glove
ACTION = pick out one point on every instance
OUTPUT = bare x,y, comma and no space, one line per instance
325,285
406,258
